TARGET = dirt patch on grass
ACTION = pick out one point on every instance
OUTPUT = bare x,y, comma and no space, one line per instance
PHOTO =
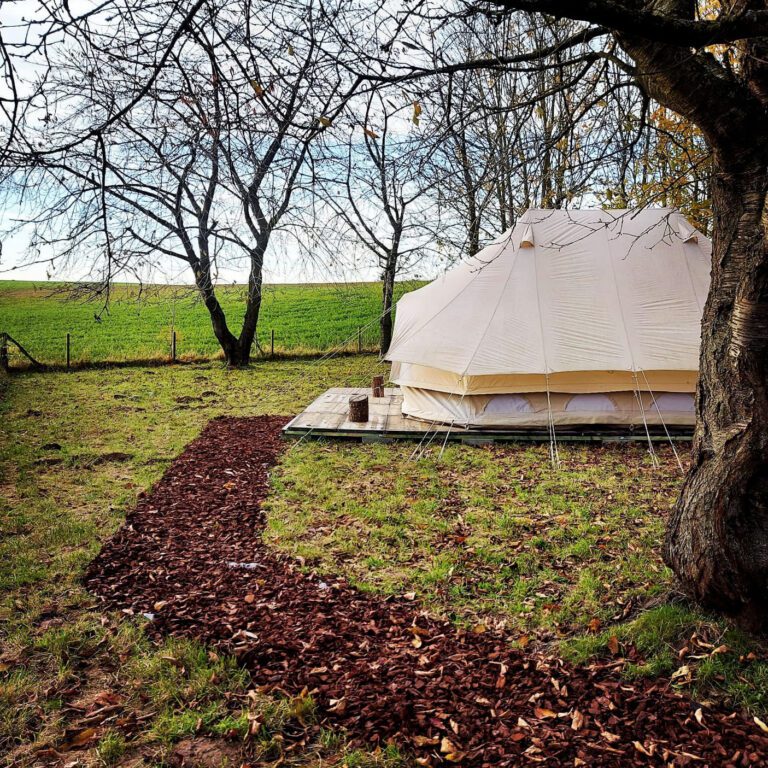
191,557
205,753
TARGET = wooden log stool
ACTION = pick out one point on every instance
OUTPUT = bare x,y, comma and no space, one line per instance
358,408
378,386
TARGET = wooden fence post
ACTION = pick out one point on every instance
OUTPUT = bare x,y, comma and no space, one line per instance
173,346
359,339
272,343
68,351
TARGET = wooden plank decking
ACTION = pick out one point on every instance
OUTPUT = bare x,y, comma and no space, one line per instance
327,417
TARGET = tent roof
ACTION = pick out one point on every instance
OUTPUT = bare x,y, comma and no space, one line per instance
565,290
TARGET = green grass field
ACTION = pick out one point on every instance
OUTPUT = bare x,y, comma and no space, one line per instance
568,560
305,318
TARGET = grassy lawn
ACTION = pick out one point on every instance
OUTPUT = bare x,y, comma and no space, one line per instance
75,450
305,318
566,559
491,531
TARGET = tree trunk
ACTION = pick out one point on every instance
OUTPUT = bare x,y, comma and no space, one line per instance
228,342
471,193
473,245
252,304
387,295
717,538
388,285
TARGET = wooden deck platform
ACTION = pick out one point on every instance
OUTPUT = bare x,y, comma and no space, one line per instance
327,417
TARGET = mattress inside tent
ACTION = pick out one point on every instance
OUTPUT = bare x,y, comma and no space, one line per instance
532,410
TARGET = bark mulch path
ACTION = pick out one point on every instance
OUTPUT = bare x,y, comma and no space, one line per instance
191,553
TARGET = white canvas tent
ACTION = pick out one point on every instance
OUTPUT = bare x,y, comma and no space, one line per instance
573,317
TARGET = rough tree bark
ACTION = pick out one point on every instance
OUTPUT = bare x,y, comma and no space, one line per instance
717,538
252,304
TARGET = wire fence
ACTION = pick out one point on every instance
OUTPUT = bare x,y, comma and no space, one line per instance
294,320
71,349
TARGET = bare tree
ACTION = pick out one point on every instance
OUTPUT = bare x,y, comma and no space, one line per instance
464,158
516,136
201,170
380,193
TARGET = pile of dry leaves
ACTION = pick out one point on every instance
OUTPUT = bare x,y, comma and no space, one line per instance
191,557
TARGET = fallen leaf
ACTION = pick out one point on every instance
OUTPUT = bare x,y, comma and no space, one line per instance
577,720
80,739
613,645
425,741
681,672
106,698
338,706
447,746
699,715
543,713
760,724
641,748
250,597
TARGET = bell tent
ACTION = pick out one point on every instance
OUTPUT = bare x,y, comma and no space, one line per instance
573,318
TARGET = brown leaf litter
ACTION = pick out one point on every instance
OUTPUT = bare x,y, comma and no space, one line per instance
191,557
